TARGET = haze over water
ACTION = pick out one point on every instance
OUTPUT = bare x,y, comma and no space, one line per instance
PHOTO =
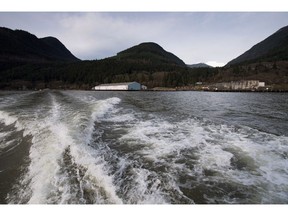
143,147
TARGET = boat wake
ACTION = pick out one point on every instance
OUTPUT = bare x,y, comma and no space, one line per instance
81,148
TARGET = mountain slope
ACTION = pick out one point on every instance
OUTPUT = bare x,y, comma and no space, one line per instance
21,46
58,49
150,52
199,65
273,48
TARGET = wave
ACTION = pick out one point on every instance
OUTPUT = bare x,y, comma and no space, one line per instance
56,141
186,155
86,149
6,118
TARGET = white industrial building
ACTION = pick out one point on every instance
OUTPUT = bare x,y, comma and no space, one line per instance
241,85
128,86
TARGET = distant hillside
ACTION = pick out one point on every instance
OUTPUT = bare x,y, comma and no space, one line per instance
147,63
199,65
151,53
21,46
273,48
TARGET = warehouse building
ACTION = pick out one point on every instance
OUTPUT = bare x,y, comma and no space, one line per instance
240,85
128,86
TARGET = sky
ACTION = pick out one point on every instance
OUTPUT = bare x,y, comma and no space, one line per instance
214,38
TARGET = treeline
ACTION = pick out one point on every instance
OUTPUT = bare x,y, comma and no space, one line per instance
86,74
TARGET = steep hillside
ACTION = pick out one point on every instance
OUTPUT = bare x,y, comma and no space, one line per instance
273,48
21,46
150,52
58,50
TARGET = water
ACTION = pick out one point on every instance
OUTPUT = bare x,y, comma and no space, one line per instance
143,147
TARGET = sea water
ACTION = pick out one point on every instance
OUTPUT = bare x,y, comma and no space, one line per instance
80,147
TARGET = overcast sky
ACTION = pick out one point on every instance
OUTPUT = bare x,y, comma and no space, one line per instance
210,37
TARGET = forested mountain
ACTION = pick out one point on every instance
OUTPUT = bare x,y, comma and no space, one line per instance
267,61
147,63
273,48
151,53
21,46
27,62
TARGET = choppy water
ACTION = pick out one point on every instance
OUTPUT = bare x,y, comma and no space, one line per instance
143,147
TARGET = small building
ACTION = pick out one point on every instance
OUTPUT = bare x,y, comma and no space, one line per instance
128,86
261,84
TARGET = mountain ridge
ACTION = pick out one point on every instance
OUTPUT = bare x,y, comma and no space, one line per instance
150,51
20,45
199,65
147,63
273,48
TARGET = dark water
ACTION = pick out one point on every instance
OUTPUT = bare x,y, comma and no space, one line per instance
143,147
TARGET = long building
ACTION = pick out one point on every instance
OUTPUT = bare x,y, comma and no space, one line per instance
240,85
128,86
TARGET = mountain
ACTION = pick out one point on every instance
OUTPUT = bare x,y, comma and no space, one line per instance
150,52
273,48
146,63
58,50
199,65
22,46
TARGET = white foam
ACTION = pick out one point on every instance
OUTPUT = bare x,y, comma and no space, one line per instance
51,136
97,172
121,118
101,107
269,169
142,193
86,119
9,145
4,134
96,175
6,118
158,139
154,139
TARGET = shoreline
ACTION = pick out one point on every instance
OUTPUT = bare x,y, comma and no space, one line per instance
157,90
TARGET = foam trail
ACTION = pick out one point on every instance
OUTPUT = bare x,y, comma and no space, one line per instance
137,182
96,174
6,118
49,141
226,151
112,150
52,140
